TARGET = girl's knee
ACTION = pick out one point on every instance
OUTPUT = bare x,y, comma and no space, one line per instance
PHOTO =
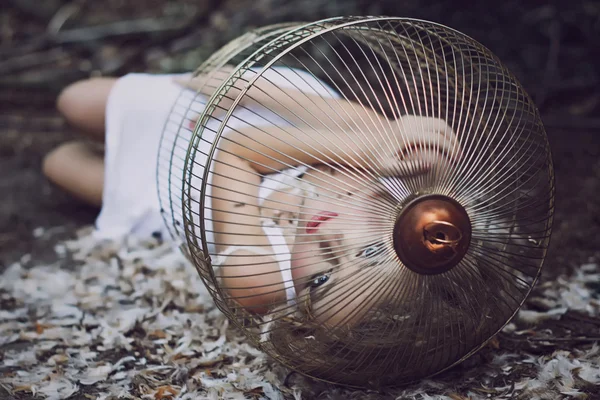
67,98
69,101
83,103
76,168
54,161
62,158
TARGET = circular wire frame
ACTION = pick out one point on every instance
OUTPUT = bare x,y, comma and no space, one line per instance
300,148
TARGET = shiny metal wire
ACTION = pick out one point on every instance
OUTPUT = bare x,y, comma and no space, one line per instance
363,115
187,108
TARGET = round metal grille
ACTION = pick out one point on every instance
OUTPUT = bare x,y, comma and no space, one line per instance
369,199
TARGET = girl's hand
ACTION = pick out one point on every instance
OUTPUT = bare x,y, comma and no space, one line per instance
424,134
421,144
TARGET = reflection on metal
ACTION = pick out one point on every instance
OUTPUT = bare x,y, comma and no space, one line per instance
432,234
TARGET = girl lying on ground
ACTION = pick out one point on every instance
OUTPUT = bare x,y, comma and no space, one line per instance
275,245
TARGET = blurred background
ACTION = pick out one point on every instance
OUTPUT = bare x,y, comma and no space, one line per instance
553,47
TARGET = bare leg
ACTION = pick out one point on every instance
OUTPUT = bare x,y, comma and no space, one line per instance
78,167
83,104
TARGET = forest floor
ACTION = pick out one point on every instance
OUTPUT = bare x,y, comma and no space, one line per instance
45,46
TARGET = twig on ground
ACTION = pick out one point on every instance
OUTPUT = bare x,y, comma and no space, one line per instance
551,63
43,122
119,28
583,318
51,79
32,60
85,36
571,339
62,16
20,48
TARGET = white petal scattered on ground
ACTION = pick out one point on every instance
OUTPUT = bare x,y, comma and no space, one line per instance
535,317
135,321
95,375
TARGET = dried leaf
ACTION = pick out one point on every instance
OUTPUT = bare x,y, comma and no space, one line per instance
166,393
116,324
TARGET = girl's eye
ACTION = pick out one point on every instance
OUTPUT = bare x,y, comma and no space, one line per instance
320,279
372,250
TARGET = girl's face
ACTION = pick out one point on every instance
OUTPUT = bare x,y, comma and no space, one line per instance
343,258
341,255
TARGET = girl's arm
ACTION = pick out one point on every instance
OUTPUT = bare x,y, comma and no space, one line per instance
298,107
244,155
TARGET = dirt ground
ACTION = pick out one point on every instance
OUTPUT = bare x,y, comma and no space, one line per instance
552,48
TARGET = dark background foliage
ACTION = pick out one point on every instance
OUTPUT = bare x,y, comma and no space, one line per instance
551,46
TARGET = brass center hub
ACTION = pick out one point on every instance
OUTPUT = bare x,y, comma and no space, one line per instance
432,234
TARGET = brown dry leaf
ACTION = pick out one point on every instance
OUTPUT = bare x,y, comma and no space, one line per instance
179,356
158,334
23,388
166,393
494,343
210,363
40,328
486,390
194,308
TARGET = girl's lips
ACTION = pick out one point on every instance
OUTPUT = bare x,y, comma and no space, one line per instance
315,221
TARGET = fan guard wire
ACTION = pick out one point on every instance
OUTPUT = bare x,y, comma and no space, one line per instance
397,74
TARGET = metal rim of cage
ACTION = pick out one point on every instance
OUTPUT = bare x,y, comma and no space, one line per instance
501,141
173,133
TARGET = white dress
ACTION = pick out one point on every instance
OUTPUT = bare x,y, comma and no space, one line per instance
138,110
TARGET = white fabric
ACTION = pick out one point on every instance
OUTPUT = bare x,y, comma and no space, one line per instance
282,254
137,109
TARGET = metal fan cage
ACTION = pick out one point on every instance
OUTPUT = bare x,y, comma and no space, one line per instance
382,323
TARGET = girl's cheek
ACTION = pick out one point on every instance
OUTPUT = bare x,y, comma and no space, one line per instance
299,263
304,263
